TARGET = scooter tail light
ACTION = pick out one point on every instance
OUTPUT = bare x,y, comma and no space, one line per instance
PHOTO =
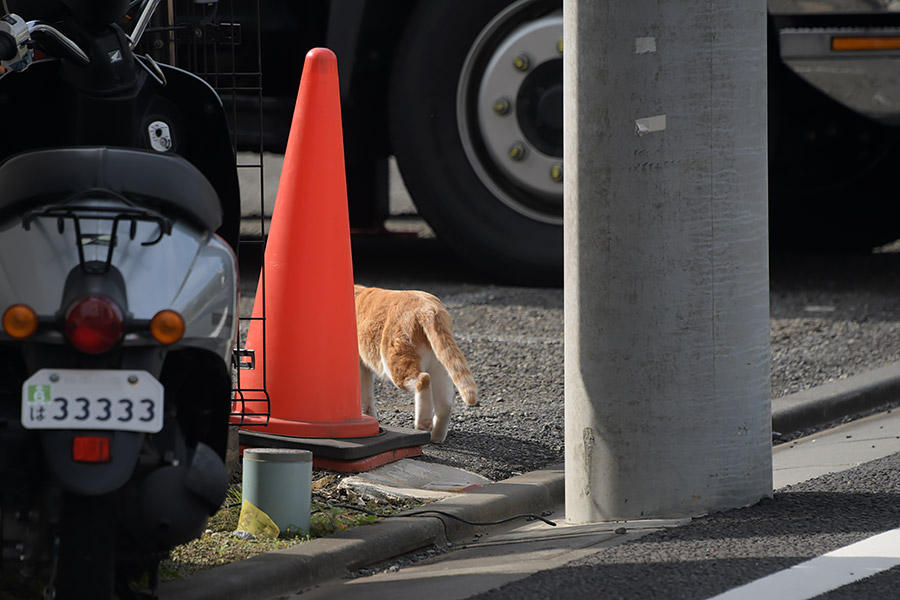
167,327
94,324
20,321
90,449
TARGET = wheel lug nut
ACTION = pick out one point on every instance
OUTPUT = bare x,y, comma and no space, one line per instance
522,62
502,105
556,172
517,151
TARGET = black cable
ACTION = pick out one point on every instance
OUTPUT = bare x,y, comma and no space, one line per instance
429,511
446,514
426,512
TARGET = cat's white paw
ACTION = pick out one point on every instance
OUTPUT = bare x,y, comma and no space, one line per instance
439,430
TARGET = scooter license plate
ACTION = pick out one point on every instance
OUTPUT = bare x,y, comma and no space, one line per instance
92,399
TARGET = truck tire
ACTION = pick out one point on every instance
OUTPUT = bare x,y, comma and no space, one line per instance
475,118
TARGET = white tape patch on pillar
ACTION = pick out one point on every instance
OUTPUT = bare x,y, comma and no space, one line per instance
650,124
825,573
643,45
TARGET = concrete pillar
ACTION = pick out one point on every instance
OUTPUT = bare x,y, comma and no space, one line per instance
666,258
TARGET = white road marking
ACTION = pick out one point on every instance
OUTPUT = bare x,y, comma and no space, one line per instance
825,573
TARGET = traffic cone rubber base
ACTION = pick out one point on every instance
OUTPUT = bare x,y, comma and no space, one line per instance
346,455
366,464
365,426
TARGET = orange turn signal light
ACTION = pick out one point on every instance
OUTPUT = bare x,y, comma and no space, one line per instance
20,321
863,43
167,327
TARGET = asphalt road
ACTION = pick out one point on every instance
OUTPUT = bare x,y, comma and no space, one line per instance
824,537
720,552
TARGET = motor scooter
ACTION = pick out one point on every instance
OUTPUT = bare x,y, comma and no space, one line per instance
119,212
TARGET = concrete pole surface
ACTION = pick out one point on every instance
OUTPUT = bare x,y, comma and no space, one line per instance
666,258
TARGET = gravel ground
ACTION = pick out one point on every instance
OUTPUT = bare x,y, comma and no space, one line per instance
831,317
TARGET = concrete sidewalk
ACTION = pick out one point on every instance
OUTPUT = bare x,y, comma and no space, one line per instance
315,562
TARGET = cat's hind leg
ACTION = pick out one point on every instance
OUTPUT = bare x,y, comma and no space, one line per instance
422,388
442,391
367,390
403,363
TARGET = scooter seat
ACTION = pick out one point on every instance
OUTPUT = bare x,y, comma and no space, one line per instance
166,182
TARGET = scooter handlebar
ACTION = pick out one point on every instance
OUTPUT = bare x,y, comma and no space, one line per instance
18,39
58,44
15,32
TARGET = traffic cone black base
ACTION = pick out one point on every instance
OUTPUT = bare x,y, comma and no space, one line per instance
347,455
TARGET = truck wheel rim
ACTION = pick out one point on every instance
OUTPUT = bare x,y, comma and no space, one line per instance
509,109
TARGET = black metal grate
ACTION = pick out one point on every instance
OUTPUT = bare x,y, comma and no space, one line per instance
219,41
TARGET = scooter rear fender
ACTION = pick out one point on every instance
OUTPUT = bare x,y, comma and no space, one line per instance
91,478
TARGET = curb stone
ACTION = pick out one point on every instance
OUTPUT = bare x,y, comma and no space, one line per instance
304,565
308,564
830,402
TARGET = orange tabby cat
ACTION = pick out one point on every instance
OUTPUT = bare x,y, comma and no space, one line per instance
406,336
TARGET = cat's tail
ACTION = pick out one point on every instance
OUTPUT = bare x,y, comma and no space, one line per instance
440,335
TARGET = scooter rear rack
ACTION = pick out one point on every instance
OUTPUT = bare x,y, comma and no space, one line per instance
62,213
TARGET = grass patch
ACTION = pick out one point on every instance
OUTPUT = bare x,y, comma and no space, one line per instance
218,546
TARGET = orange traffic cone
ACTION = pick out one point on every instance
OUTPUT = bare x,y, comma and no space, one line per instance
309,364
